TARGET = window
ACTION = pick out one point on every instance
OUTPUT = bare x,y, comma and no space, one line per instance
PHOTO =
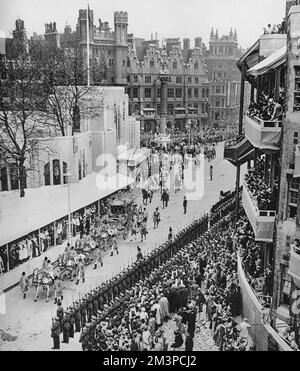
218,89
178,93
293,197
203,107
158,92
152,63
175,65
189,80
218,103
219,75
196,80
128,62
135,78
196,92
189,93
170,93
158,109
148,92
196,65
178,80
223,89
286,286
135,93
148,79
110,62
203,93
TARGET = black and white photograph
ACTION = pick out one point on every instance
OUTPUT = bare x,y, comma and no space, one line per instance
149,178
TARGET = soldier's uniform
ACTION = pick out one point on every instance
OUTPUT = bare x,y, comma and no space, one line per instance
72,323
77,317
55,332
65,323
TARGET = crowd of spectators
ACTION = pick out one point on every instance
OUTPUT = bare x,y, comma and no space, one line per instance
275,29
264,196
266,108
199,280
259,276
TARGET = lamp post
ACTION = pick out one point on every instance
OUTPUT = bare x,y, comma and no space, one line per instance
68,175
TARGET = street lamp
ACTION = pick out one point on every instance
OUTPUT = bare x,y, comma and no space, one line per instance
68,175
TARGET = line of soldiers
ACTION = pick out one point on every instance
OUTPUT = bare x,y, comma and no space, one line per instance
106,299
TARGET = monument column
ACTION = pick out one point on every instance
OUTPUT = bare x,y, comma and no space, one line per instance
164,78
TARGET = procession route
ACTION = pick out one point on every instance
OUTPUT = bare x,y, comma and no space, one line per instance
29,323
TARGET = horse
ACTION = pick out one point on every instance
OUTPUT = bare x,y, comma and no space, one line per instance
146,196
41,278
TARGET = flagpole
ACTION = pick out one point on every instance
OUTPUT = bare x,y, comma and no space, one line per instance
88,44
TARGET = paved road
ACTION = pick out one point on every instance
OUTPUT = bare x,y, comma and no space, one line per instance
29,323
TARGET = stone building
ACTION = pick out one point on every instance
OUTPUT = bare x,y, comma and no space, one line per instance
272,68
188,88
223,75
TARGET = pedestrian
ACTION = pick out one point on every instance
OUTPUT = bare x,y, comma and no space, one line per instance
114,246
59,311
143,230
66,327
80,271
98,257
211,172
55,333
139,253
57,289
24,283
184,204
156,218
170,235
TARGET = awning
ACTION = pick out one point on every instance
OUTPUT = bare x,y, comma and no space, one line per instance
44,205
134,157
250,58
271,63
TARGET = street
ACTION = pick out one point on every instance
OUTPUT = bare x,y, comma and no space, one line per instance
27,324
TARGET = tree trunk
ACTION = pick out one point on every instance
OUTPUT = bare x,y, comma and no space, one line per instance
22,178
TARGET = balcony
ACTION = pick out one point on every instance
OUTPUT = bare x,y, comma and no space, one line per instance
238,151
180,112
149,113
262,221
265,135
294,265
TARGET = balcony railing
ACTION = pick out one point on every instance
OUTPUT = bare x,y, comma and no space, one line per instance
265,135
262,221
294,265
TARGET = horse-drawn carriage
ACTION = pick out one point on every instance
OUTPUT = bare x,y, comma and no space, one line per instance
119,219
45,279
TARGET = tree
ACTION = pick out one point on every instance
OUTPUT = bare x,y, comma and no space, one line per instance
63,77
23,119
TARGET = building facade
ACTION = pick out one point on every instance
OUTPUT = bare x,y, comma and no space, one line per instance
188,88
224,77
272,206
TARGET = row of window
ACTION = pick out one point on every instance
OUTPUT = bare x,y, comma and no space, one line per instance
219,89
204,107
179,79
172,93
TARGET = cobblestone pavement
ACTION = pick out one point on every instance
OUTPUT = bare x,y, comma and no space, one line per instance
27,324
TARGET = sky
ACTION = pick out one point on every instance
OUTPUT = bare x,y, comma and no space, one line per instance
167,18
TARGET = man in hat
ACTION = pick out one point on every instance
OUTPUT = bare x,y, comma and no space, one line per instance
55,332
65,323
77,317
98,257
60,312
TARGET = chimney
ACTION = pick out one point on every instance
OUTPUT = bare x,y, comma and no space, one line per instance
186,44
198,42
